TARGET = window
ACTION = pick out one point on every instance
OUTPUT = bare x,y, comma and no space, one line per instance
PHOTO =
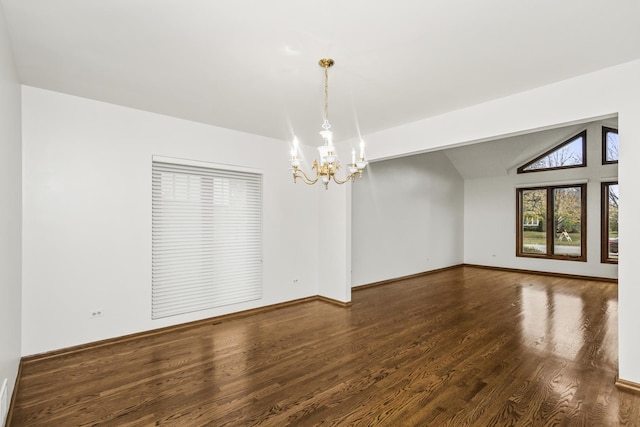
610,200
570,154
552,222
609,145
206,237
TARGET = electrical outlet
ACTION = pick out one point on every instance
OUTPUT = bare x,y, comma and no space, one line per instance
96,313
295,281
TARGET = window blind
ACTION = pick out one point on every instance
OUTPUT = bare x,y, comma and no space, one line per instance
206,237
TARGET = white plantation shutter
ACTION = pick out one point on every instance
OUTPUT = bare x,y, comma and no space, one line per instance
206,237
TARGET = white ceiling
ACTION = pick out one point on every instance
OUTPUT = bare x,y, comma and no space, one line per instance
251,65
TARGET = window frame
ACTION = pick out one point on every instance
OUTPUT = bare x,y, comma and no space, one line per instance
568,141
606,130
604,223
550,243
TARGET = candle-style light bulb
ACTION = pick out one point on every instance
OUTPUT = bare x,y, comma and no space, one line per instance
361,149
294,150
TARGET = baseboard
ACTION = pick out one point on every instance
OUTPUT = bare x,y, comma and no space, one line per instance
334,301
410,276
97,344
627,385
544,273
14,395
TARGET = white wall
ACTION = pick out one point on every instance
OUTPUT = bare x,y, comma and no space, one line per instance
490,223
10,213
334,244
407,218
580,99
87,216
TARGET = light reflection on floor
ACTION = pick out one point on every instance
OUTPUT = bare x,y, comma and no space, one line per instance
557,322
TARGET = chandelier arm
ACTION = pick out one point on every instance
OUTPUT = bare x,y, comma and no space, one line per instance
305,177
347,179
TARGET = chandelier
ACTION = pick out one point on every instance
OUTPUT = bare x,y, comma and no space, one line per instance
329,163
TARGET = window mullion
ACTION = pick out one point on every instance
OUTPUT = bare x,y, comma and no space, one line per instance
551,234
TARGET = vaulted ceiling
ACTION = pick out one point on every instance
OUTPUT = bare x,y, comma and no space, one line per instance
251,65
503,156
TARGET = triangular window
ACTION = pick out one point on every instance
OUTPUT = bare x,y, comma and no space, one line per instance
570,154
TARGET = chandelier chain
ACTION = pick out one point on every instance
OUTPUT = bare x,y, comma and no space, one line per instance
326,93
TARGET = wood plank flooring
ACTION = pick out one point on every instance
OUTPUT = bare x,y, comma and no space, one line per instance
463,347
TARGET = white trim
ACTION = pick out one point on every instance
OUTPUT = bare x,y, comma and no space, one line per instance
4,402
201,164
552,183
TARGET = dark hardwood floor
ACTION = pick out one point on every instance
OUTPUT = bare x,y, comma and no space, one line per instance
466,346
